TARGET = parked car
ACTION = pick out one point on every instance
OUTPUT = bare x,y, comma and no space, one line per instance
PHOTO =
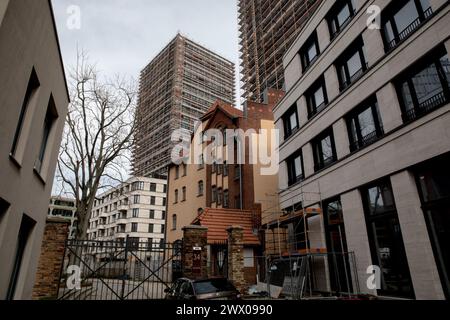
208,289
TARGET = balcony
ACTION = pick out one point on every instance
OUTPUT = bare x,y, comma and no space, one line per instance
426,107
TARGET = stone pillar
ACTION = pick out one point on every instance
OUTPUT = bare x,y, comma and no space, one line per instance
236,257
332,83
293,71
390,111
374,46
341,138
51,259
357,238
195,252
323,35
302,110
308,160
422,265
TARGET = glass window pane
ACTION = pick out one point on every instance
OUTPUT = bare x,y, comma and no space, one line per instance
406,16
445,63
327,149
354,64
407,97
298,167
425,4
381,200
427,83
312,52
389,32
293,121
366,122
343,15
319,97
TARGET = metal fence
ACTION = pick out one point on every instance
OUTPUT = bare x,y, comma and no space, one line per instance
118,270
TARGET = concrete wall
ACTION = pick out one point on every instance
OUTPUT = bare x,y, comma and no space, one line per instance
27,40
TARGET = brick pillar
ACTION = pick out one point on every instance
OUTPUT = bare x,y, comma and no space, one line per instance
195,252
236,257
51,259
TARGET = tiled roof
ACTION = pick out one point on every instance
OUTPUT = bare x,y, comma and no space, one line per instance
219,220
227,108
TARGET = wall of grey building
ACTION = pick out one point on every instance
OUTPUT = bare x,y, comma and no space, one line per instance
403,145
28,41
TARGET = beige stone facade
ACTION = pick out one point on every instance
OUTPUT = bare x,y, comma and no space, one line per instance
406,135
34,100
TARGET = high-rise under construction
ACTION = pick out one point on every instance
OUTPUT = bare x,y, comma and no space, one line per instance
176,88
267,29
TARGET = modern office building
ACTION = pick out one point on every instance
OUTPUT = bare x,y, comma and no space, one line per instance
34,100
267,29
135,210
176,89
66,209
366,123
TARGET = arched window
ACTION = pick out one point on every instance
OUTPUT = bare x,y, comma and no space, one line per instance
183,196
176,196
174,222
201,188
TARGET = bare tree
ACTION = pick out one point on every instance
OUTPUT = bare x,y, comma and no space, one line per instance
98,137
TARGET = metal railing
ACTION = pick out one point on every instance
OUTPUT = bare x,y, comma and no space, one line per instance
426,106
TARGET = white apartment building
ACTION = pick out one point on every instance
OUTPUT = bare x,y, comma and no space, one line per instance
136,209
366,123
66,209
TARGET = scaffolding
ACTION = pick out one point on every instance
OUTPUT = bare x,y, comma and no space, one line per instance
297,262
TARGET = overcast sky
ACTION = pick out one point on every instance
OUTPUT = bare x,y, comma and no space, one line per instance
122,36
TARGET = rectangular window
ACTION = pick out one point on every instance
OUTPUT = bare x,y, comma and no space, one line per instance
364,125
386,241
152,214
136,199
153,187
134,227
425,87
26,229
324,150
201,188
226,199
184,194
352,64
135,213
295,168
340,15
177,172
152,201
249,258
433,182
32,89
219,197
317,98
339,264
151,228
310,51
225,169
402,18
174,222
164,202
290,122
163,229
214,194
163,217
50,119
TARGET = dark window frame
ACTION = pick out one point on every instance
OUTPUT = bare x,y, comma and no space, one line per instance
371,218
367,140
388,16
307,62
290,162
288,130
320,163
435,102
332,17
313,108
341,64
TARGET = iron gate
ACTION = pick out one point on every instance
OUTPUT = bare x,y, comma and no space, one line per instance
118,270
